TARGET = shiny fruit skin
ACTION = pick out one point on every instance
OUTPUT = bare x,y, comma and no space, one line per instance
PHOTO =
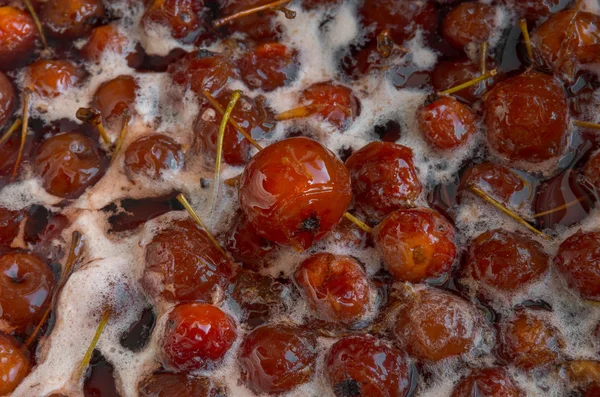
384,178
294,192
246,246
335,286
529,342
26,284
183,265
415,244
103,39
532,10
14,365
446,123
578,260
168,384
10,222
197,336
251,114
203,70
18,36
450,73
7,99
469,22
71,19
49,79
505,260
259,27
487,382
277,358
182,17
338,104
68,164
153,155
365,366
527,118
435,325
269,66
499,182
113,97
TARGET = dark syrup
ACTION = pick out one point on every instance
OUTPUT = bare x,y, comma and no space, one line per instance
99,378
133,213
138,334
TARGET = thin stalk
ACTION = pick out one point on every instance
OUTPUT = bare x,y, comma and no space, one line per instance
186,204
469,83
358,222
217,23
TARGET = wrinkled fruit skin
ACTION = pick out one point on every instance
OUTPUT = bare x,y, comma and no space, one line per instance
496,180
578,260
294,192
434,325
527,118
269,66
384,179
153,155
174,385
182,264
197,336
115,96
505,260
529,342
469,22
71,19
7,99
49,79
277,358
182,17
366,366
18,36
446,123
335,286
336,103
14,365
415,244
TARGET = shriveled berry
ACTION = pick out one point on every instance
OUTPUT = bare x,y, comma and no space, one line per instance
18,37
71,19
246,245
113,97
446,123
167,384
470,22
49,79
487,382
499,182
153,155
203,70
182,17
7,99
269,66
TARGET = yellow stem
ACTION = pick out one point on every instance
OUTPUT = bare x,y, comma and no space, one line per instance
300,112
508,212
37,22
586,124
469,83
561,207
94,117
126,119
222,21
88,354
25,115
186,204
234,123
526,38
15,125
66,272
358,222
226,116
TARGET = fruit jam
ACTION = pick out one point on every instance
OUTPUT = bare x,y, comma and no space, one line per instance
250,197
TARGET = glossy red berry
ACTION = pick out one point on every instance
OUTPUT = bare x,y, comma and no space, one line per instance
415,244
277,358
7,99
197,336
68,164
182,264
182,17
103,39
562,42
166,384
113,97
505,260
294,192
592,391
434,325
14,365
578,260
71,19
446,123
335,286
333,103
151,156
18,37
499,182
384,179
365,366
470,22
400,18
527,118
252,114
529,342
246,246
26,284
202,70
49,79
269,66
489,382
532,10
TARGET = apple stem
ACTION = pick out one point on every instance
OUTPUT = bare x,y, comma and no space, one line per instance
469,83
126,119
358,222
275,6
37,22
186,204
25,116
88,354
93,117
15,125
